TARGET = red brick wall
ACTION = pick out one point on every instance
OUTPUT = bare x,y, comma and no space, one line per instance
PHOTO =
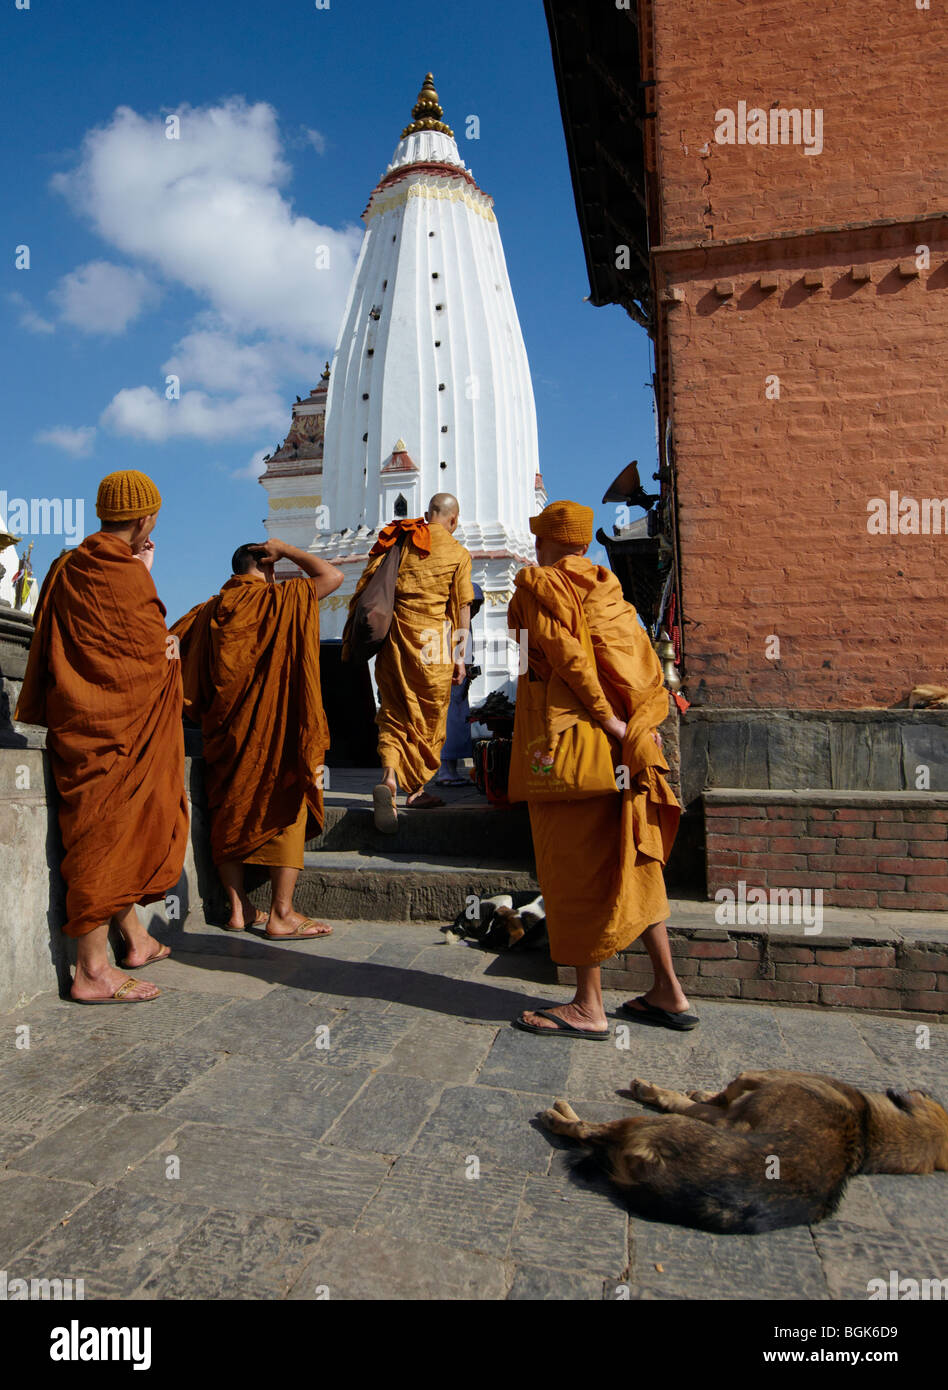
742,964
870,65
860,856
772,494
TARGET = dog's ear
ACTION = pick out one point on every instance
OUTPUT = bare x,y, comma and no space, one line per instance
514,930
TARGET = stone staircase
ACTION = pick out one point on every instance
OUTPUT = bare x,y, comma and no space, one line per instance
425,872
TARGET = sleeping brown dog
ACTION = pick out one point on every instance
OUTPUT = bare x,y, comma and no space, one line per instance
774,1148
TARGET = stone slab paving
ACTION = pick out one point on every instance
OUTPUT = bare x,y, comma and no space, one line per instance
355,1119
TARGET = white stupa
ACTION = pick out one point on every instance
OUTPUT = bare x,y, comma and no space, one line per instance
429,389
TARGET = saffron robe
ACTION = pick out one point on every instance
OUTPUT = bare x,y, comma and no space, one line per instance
599,860
414,667
250,661
102,676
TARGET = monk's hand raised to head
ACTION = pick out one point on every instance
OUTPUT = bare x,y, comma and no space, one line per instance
657,737
269,551
145,553
460,673
615,728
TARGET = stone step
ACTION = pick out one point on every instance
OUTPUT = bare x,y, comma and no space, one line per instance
459,831
397,887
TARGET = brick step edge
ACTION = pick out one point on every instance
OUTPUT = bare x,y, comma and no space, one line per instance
893,977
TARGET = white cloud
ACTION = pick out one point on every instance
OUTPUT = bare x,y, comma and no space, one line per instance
29,318
207,210
315,138
254,468
103,298
142,413
77,442
217,359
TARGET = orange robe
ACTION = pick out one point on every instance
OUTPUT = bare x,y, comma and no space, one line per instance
103,679
250,660
414,668
599,860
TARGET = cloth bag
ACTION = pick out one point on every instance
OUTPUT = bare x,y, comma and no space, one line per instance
569,766
367,626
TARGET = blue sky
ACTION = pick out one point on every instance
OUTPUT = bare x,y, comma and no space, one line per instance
139,269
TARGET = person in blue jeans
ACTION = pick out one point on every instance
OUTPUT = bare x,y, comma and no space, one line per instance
457,743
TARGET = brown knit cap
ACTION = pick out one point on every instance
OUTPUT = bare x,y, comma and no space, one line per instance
126,496
569,523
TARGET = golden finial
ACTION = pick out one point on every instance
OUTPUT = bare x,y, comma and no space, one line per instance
427,113
325,375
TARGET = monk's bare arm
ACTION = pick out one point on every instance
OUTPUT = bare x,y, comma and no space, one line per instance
462,644
327,577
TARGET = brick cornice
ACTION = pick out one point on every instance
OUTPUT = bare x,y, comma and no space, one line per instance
864,233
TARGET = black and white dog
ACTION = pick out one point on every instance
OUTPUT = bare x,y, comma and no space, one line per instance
502,923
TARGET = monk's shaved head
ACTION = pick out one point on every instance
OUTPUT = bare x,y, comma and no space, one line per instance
245,558
443,510
443,504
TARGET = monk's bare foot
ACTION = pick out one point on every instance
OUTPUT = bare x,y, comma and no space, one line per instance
292,924
105,983
574,1014
145,953
243,914
673,1000
384,814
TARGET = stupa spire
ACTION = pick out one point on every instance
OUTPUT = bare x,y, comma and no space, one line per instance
426,113
430,354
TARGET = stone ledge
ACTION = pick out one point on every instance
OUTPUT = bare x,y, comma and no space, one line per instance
821,796
704,714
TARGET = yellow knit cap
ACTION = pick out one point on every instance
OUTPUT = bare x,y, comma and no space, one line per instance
569,523
126,496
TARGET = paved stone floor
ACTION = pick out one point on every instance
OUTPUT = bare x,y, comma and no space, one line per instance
356,1116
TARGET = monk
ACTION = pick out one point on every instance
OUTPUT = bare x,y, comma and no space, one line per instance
102,676
250,661
423,655
599,859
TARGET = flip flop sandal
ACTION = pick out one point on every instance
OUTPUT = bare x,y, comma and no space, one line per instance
163,954
383,808
562,1029
655,1017
119,996
424,803
302,935
260,920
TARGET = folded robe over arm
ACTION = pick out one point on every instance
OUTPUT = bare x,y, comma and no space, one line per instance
250,660
599,860
102,676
